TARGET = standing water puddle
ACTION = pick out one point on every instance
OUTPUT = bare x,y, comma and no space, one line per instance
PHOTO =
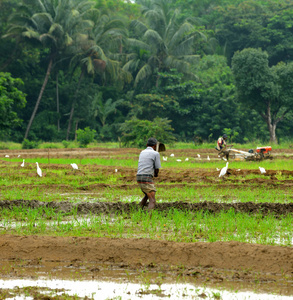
113,290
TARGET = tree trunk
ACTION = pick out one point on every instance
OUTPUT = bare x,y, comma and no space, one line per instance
76,127
39,98
73,105
271,125
273,137
57,100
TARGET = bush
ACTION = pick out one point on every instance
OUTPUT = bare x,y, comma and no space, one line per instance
65,144
136,132
26,144
86,136
50,146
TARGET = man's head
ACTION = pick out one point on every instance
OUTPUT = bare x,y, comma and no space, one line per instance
225,136
152,142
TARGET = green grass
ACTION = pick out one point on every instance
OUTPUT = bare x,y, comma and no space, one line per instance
173,225
192,193
286,143
171,163
61,183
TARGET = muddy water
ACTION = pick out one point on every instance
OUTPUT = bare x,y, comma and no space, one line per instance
126,290
34,278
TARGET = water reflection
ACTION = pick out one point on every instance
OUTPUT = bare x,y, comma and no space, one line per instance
113,290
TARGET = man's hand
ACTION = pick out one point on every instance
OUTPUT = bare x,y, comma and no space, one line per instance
156,173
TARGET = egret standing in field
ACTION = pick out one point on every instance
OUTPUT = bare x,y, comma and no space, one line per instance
198,155
74,166
208,158
165,158
172,154
22,165
39,171
224,170
186,159
262,170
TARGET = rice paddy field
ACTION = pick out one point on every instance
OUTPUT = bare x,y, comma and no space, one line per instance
80,234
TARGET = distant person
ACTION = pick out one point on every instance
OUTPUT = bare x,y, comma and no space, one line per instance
149,163
222,142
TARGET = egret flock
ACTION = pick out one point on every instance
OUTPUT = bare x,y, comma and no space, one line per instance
222,173
39,170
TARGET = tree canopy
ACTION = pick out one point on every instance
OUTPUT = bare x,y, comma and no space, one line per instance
11,100
203,68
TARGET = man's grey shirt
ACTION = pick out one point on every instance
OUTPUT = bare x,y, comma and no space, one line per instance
148,161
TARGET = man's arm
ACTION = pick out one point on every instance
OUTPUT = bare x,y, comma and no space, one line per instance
156,173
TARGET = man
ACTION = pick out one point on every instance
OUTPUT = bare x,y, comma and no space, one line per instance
222,142
149,164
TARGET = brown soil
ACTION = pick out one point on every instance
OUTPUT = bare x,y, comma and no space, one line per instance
276,209
221,260
81,153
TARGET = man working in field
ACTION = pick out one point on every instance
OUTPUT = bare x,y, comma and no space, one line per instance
222,147
221,143
149,164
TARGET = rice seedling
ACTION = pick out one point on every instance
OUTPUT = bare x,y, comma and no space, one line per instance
174,225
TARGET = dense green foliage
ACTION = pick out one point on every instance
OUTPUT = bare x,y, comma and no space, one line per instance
135,131
11,100
102,64
86,136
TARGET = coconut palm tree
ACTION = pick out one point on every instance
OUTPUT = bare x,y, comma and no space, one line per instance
96,53
164,44
52,24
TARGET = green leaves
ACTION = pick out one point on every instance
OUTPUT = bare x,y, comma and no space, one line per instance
86,136
171,43
264,89
11,100
135,132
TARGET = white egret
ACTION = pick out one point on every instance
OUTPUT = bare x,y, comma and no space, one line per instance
178,160
165,158
262,170
172,154
198,155
116,170
208,158
224,170
6,155
186,159
39,171
18,155
238,170
218,169
22,165
74,166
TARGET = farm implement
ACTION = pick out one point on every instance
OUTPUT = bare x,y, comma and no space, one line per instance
260,153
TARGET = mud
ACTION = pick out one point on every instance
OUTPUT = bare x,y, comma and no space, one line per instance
276,209
217,261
